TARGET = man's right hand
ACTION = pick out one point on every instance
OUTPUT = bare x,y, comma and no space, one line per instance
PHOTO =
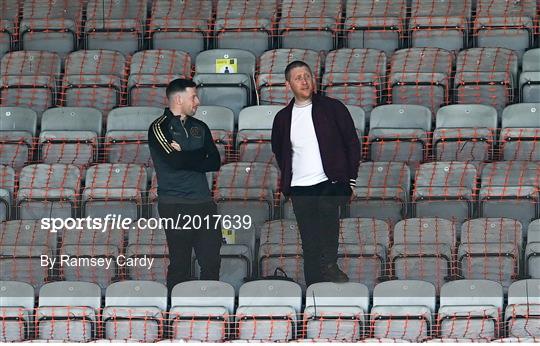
176,146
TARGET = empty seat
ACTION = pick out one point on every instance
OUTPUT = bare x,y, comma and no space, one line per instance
486,76
52,26
201,311
224,78
29,79
522,315
529,79
510,189
70,135
421,76
363,248
94,78
7,189
505,24
375,24
532,251
306,24
48,190
355,76
399,133
126,139
9,14
271,78
520,133
150,73
104,243
16,310
336,311
116,187
423,250
135,311
148,243
23,243
250,187
220,121
446,190
382,191
18,126
490,249
254,132
68,311
403,309
267,310
243,25
115,25
465,133
186,24
470,309
440,24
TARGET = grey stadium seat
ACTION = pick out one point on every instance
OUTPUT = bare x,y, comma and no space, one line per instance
93,78
440,24
150,73
201,311
532,251
445,189
375,24
135,311
254,132
7,189
382,191
48,190
520,132
490,249
470,309
16,310
68,311
421,76
523,309
423,250
245,25
220,120
151,243
70,135
29,79
336,311
9,13
403,309
18,126
271,77
529,79
115,25
510,189
52,26
116,187
186,24
307,24
356,76
225,87
465,133
267,310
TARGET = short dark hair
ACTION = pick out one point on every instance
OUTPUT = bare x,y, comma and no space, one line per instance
179,85
295,64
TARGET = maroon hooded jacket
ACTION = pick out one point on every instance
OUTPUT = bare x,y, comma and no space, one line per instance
338,142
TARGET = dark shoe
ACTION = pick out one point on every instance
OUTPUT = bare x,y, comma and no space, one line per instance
332,273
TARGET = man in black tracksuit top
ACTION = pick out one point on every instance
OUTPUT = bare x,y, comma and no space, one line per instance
182,151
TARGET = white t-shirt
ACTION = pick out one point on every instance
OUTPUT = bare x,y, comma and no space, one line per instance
307,167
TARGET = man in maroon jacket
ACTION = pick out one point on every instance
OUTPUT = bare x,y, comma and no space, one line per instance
318,152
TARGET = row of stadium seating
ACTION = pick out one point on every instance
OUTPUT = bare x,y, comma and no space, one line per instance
423,76
370,251
271,310
131,25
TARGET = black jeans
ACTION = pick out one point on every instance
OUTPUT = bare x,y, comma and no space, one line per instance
206,242
317,213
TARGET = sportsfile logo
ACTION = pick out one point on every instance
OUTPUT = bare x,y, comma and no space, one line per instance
111,221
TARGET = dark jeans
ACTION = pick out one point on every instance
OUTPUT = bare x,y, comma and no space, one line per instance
317,213
205,242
